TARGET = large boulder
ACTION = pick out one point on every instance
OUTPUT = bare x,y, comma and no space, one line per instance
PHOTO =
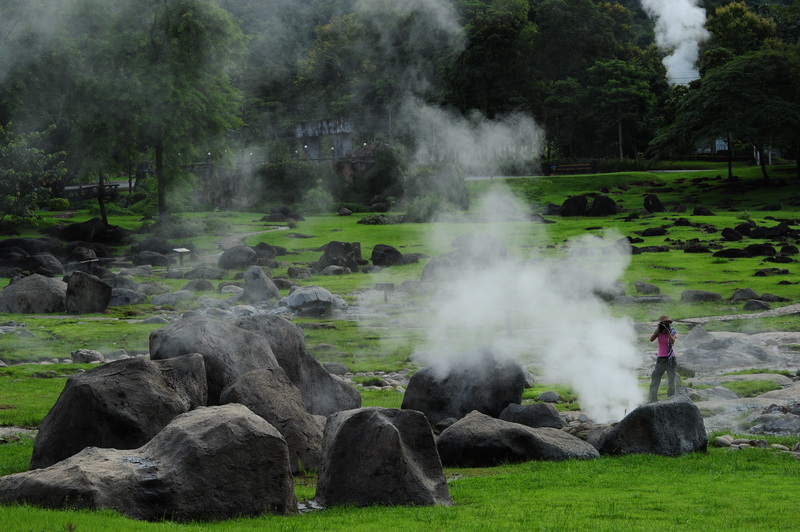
237,258
87,294
482,381
33,246
322,393
270,394
35,294
122,404
671,427
380,456
386,255
535,415
653,204
45,264
602,205
151,258
313,301
258,287
228,351
208,464
574,206
479,440
700,296
121,297
347,254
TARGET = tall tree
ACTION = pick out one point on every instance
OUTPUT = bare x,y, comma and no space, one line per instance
572,35
619,92
754,98
494,74
184,91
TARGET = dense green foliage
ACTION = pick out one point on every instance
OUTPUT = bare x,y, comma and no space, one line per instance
188,83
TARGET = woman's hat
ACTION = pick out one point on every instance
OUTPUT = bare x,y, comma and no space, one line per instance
664,318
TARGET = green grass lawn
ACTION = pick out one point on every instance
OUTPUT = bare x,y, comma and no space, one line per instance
718,490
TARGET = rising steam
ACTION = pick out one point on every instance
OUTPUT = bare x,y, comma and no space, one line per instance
545,312
680,28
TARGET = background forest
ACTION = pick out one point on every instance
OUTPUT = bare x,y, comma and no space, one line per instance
212,91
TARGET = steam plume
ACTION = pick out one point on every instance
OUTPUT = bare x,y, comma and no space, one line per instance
680,28
546,312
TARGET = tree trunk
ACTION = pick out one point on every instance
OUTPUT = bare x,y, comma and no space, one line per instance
764,173
730,157
101,197
797,156
160,181
619,134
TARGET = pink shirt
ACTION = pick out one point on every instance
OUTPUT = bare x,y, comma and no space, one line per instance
664,347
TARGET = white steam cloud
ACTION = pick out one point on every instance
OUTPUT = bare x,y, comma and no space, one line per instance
475,140
545,312
680,28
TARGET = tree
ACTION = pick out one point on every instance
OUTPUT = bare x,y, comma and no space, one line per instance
571,36
619,92
26,171
738,29
493,74
754,98
184,101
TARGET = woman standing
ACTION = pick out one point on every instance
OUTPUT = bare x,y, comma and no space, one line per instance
665,361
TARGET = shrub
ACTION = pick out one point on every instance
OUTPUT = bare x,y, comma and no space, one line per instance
177,227
382,219
317,200
446,181
427,208
286,181
58,204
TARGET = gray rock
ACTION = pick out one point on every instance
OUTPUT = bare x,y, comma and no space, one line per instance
536,415
671,427
237,258
380,456
173,298
122,404
270,394
258,287
208,464
323,394
86,294
478,440
87,356
151,258
34,294
484,382
335,270
700,296
204,272
121,297
549,397
45,264
743,294
313,301
228,351
199,285
646,288
756,305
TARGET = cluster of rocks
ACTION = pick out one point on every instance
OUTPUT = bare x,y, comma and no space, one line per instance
229,411
649,293
730,442
92,287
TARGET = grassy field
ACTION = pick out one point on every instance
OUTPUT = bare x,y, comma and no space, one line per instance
718,490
